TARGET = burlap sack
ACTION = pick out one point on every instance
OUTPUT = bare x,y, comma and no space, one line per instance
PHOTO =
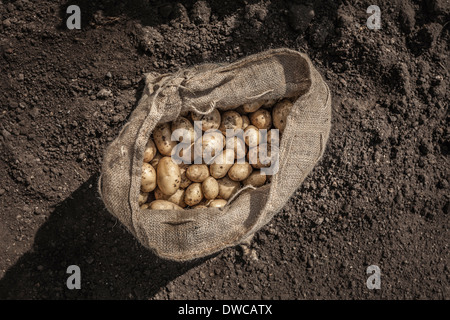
194,233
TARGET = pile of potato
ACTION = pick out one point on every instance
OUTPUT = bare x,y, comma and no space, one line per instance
167,185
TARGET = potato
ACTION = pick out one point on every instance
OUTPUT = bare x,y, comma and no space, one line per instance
148,181
209,121
231,120
185,128
144,206
143,196
168,176
209,145
185,182
262,160
227,187
222,163
245,121
252,136
163,205
218,203
162,137
252,107
159,195
256,179
154,162
199,206
261,119
178,198
269,103
193,194
197,172
240,171
238,146
210,188
280,113
150,151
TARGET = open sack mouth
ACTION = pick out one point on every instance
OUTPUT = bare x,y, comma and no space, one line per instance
240,137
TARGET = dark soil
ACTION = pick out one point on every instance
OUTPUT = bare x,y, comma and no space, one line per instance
379,196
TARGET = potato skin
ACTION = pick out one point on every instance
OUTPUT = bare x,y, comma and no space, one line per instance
280,113
197,172
253,106
150,151
219,168
185,124
240,171
230,120
143,196
245,121
255,179
163,205
211,144
218,203
209,121
227,187
178,198
168,176
194,194
185,182
252,136
148,179
162,138
210,188
261,119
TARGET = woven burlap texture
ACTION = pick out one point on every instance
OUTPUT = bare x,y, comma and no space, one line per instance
195,233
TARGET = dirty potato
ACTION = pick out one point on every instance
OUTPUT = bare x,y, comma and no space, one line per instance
256,179
240,171
231,120
218,203
253,106
209,121
185,182
168,176
209,145
150,151
183,128
222,163
162,138
148,180
163,205
280,113
193,194
252,136
227,187
143,196
210,188
261,119
245,122
197,172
